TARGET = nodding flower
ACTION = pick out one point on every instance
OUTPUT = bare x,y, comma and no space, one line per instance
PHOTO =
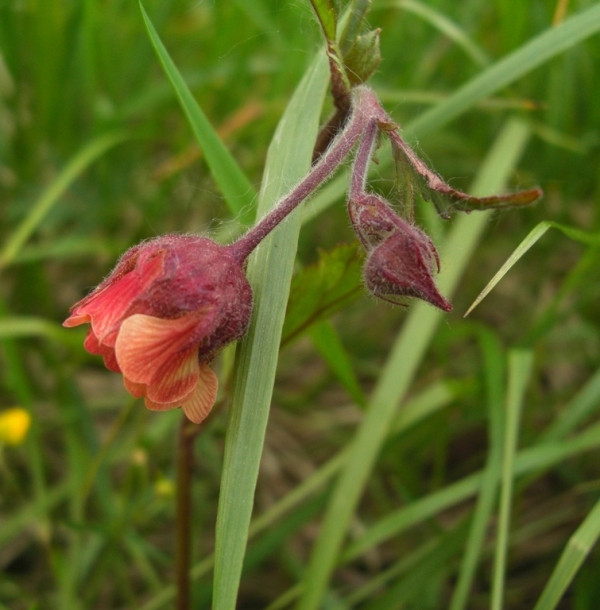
161,315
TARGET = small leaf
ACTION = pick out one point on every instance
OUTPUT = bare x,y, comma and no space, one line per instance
326,14
363,57
322,288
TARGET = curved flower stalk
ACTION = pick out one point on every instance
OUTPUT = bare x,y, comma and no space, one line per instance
401,259
172,302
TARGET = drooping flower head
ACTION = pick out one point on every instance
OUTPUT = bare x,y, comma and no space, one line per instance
401,259
160,316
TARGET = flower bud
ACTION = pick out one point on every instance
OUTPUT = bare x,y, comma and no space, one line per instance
401,259
161,315
373,219
403,266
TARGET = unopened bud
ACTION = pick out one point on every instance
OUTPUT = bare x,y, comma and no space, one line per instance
401,259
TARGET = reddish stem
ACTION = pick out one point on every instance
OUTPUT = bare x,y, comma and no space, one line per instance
362,159
365,111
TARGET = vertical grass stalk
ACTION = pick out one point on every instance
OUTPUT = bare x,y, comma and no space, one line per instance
396,378
519,368
269,271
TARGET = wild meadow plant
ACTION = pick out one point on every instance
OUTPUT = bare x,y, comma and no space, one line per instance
173,303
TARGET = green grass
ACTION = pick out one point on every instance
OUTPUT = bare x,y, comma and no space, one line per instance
380,458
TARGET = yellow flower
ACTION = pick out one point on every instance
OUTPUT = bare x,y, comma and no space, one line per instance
14,424
164,488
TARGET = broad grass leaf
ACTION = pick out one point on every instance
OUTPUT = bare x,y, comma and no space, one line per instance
270,272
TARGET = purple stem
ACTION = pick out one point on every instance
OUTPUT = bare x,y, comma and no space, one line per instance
365,112
362,159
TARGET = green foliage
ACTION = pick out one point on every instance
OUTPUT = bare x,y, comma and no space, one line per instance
234,185
322,289
410,457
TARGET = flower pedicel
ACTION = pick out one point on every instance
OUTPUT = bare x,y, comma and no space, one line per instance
172,302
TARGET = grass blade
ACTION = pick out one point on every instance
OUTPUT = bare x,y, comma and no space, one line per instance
580,407
87,155
531,460
442,23
519,368
493,363
574,554
528,57
23,326
235,186
397,375
532,237
270,272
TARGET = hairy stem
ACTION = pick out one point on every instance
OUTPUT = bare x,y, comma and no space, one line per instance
362,159
365,110
367,118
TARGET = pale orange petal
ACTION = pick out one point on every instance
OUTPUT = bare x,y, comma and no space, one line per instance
176,379
145,344
157,406
137,390
75,319
199,404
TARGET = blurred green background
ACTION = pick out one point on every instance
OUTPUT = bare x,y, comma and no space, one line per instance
96,154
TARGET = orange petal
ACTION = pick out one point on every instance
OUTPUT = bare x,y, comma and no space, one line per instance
105,307
145,344
137,390
92,345
200,403
174,381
